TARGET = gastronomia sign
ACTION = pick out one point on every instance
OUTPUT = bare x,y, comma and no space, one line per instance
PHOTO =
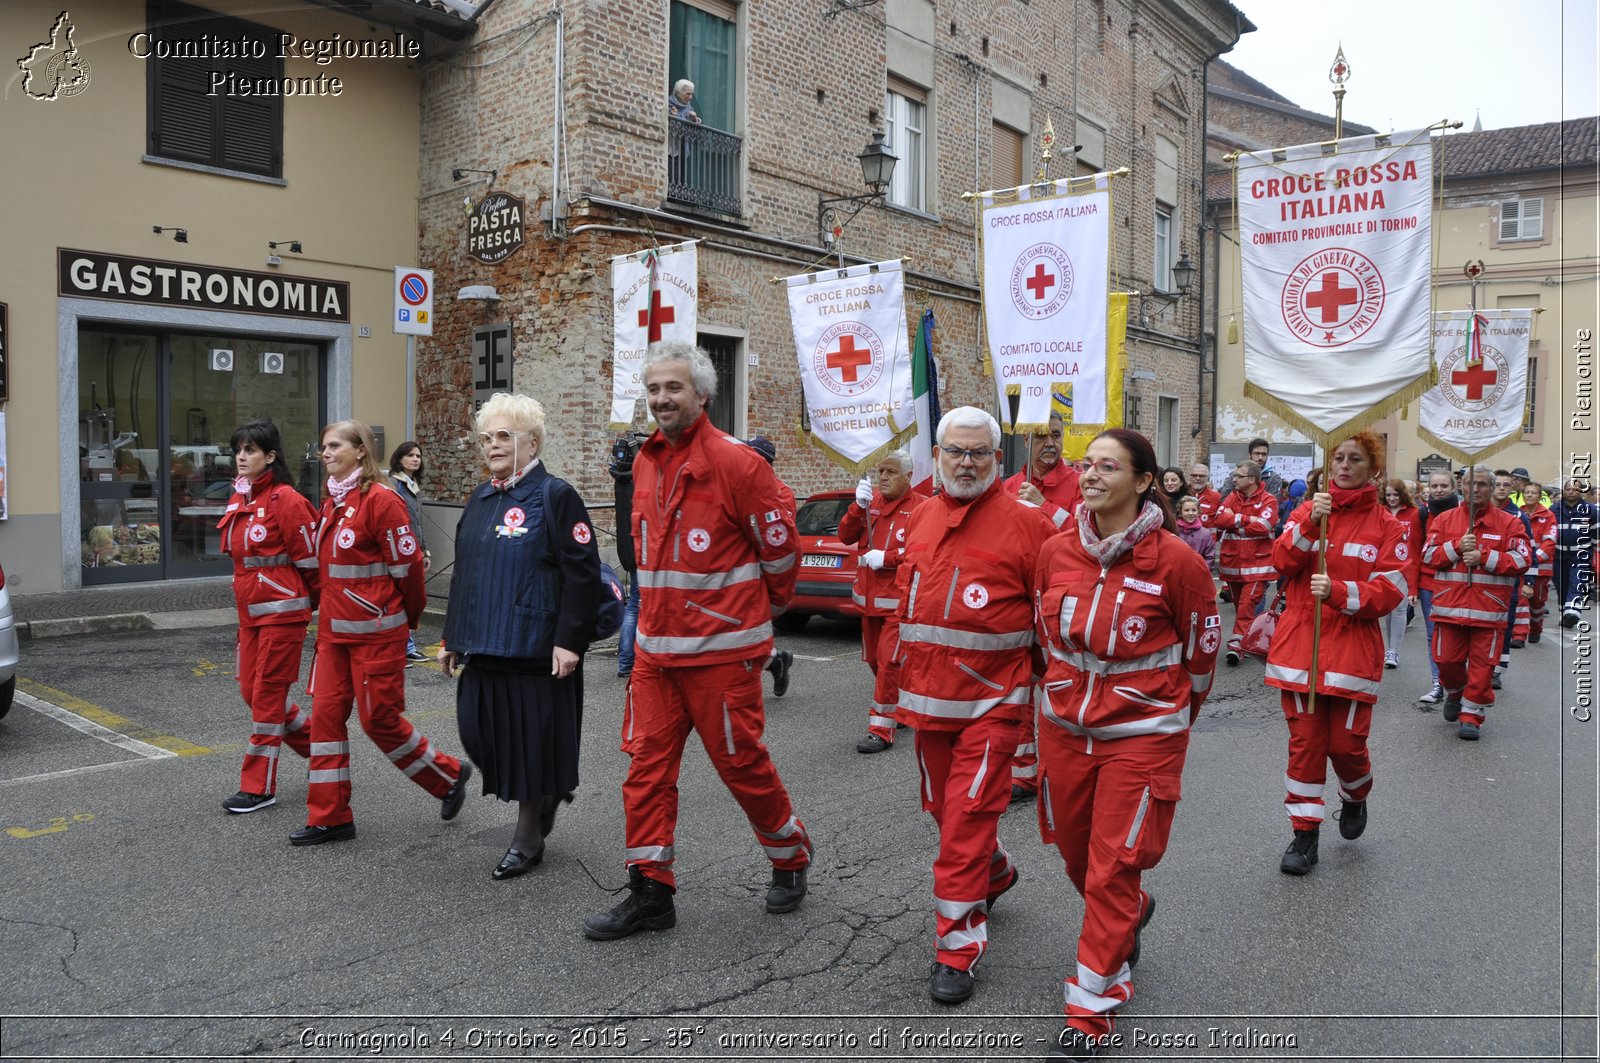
96,275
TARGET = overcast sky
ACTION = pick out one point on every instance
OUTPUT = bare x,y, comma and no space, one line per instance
1414,62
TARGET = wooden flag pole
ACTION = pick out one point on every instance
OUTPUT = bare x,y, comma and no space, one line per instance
1316,617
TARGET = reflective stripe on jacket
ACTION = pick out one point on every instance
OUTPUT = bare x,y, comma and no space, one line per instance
1244,548
272,538
372,579
875,592
1480,596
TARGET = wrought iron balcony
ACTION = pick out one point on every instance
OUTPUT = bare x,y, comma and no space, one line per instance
703,167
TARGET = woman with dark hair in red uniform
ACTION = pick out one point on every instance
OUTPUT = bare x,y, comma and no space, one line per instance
1365,579
270,531
1128,617
372,593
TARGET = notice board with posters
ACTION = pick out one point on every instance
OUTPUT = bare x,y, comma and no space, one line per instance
1289,460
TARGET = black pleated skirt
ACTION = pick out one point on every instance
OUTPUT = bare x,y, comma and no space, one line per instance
522,731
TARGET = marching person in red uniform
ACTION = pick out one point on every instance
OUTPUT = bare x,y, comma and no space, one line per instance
1367,558
1479,570
1200,487
966,677
876,523
1543,543
1129,621
1244,557
717,551
269,530
1052,485
371,594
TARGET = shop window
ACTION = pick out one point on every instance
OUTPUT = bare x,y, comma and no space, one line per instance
191,118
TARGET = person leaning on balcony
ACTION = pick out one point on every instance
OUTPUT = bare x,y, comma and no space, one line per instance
680,102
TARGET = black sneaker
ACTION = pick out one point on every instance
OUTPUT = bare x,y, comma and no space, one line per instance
778,665
950,985
1352,819
1232,657
450,804
242,803
417,657
1301,856
1533,638
1570,617
1517,644
1021,793
1144,921
872,744
786,890
1452,706
648,906
1494,681
1468,731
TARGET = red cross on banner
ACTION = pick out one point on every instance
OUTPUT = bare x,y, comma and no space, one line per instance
655,316
1041,281
1475,380
848,359
1330,297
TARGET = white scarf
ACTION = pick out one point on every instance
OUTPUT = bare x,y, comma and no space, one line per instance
1109,549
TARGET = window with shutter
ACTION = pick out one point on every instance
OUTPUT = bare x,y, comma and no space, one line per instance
187,122
1005,157
1522,219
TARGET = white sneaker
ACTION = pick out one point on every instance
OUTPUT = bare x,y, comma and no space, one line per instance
1391,659
1433,696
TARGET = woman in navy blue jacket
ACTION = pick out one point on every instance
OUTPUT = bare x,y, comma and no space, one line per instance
523,600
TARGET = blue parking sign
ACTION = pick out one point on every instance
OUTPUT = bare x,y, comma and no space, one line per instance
405,315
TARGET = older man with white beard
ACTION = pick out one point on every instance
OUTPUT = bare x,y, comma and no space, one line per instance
966,636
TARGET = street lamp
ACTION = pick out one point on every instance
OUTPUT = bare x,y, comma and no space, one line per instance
877,170
1183,272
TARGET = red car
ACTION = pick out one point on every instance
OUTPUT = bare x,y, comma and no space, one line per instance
827,566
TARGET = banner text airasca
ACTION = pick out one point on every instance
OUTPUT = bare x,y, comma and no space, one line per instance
1308,195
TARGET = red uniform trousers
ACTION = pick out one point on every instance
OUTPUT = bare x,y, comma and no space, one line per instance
1466,657
722,704
1109,813
267,664
1536,604
880,637
1025,761
372,676
1336,732
1246,596
966,786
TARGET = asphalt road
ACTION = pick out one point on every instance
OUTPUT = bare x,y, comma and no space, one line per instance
137,919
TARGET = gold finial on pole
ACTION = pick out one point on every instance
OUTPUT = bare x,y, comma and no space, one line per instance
1047,140
1338,73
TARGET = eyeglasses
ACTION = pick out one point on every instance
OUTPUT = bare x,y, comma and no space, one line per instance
975,456
1105,467
501,436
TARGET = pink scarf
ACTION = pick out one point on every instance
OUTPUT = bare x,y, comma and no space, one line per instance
1107,550
339,488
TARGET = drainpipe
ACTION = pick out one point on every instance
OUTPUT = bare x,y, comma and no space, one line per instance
555,127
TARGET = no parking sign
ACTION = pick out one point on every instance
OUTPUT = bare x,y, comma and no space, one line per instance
413,301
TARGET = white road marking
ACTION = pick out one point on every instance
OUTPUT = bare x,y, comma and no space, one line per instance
94,730
65,772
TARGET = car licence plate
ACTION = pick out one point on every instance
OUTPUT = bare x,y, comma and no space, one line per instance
820,561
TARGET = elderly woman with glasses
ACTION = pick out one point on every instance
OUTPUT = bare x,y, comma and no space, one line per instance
523,600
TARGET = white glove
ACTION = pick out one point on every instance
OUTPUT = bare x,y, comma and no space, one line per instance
873,559
864,493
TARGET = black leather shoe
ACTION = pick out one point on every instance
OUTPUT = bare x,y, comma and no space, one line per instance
1016,874
1301,856
950,985
1533,639
1452,706
517,862
1494,681
1517,644
317,835
450,804
1144,921
1022,793
872,744
648,906
547,814
786,890
1352,819
779,667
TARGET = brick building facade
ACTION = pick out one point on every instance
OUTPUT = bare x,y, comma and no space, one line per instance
568,111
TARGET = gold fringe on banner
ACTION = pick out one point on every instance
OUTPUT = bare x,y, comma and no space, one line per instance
1461,457
858,468
1327,440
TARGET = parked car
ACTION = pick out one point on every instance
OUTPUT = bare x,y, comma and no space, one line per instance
827,566
8,648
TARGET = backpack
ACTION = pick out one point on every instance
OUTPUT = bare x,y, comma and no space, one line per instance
613,599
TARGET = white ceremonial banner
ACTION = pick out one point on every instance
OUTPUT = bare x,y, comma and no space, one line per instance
1478,405
1045,283
855,360
654,295
1336,257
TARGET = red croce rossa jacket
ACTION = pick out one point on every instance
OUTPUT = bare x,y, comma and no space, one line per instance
371,567
715,540
875,591
272,537
1480,596
1367,560
1244,549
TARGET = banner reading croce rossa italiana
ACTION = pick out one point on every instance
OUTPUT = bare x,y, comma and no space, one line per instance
653,299
1045,255
855,364
1336,257
1477,407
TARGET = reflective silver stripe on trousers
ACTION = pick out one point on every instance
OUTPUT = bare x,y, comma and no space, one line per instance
727,640
266,729
421,762
978,776
1169,723
367,627
879,721
955,638
1342,680
270,752
959,710
329,749
358,571
264,561
698,581
316,775
1138,819
1477,577
1447,613
1258,570
288,605
1302,789
1084,661
405,747
660,854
